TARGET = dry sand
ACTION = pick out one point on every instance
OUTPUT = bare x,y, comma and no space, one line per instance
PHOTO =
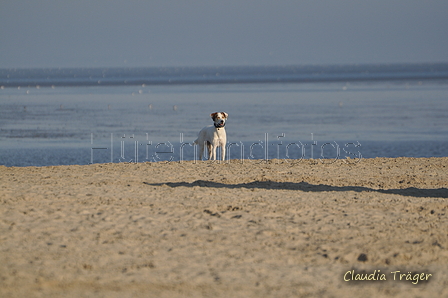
209,229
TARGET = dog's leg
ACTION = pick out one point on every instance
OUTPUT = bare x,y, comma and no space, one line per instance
214,152
223,152
209,150
201,149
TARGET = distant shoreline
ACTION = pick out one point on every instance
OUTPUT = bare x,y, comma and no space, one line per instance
103,153
49,77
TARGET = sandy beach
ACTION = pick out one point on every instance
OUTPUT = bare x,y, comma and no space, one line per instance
238,229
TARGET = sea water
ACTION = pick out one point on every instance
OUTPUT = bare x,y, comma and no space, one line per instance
326,120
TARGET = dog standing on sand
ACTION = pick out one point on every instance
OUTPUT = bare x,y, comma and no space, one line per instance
213,136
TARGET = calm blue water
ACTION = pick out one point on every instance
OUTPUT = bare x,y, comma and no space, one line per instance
139,115
219,75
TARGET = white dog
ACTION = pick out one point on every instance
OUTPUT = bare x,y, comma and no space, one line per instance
213,136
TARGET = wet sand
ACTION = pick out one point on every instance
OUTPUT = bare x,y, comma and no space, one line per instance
210,229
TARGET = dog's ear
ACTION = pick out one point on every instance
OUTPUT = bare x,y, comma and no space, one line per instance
225,115
213,115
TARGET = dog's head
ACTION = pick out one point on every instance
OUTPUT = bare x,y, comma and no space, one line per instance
219,119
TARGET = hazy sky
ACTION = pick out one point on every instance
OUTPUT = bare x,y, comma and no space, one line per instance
102,33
